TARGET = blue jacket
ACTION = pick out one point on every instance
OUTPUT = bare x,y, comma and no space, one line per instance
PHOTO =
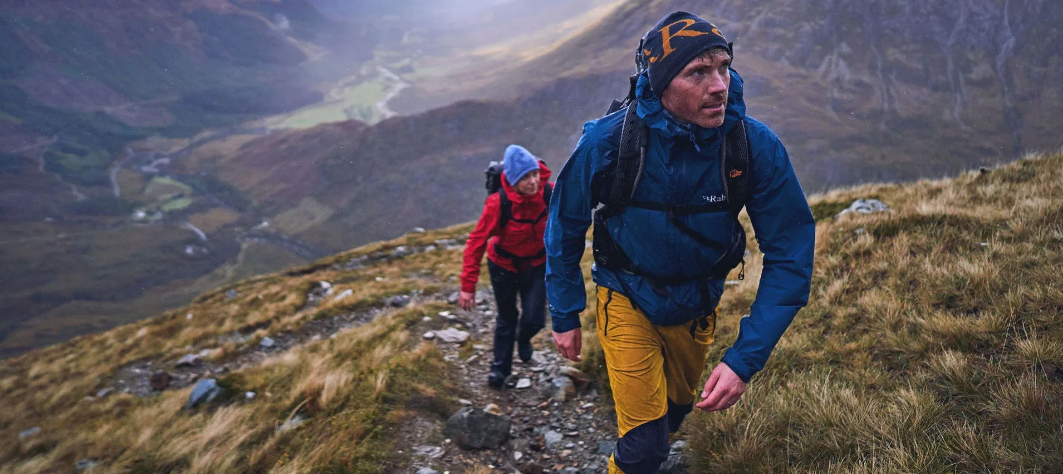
682,167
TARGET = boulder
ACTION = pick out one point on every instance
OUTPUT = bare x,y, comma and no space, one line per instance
160,380
453,336
473,428
562,389
86,464
205,391
189,360
576,375
267,342
865,206
532,468
399,301
344,295
677,461
434,452
552,438
606,447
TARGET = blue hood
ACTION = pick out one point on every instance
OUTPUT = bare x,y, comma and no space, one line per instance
654,115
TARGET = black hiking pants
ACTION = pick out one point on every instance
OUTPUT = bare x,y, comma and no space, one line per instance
512,325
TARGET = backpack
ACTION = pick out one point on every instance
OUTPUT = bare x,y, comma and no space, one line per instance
493,175
735,169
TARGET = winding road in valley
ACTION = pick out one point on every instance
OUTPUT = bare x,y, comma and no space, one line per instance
398,84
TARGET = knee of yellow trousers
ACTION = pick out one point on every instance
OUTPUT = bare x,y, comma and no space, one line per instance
642,450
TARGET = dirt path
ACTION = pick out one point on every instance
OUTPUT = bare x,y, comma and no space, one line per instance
559,420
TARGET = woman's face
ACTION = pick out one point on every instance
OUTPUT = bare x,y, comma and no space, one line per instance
529,184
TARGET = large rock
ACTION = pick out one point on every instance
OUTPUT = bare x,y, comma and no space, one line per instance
399,301
576,375
562,389
205,391
159,380
865,206
473,428
453,336
677,461
553,438
189,360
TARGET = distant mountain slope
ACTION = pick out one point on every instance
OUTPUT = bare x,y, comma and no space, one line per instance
100,74
858,90
931,343
424,170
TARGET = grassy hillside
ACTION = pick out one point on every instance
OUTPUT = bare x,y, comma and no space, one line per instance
931,344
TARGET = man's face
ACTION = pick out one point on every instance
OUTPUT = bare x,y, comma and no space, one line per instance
529,184
698,94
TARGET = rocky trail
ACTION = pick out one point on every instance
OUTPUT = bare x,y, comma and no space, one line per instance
550,417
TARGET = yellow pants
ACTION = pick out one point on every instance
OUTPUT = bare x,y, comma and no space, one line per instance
654,372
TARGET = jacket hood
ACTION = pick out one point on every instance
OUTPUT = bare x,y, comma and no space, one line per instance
515,197
655,116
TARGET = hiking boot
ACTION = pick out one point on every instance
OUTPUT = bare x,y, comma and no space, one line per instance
496,379
524,350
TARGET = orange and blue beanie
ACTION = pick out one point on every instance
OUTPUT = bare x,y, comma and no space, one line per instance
676,40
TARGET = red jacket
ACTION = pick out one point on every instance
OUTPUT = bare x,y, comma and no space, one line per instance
518,238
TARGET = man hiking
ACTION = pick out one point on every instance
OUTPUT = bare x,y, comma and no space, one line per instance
511,231
671,172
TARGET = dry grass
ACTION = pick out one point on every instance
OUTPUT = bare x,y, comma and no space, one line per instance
926,341
922,350
353,390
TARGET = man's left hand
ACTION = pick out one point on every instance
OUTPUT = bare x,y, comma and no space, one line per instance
722,390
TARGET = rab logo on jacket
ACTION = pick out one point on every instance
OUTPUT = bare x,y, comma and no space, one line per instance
736,173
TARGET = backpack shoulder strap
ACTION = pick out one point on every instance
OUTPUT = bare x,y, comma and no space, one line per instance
505,208
548,192
736,167
630,161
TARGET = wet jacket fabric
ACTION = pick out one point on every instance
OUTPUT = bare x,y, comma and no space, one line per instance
517,238
682,166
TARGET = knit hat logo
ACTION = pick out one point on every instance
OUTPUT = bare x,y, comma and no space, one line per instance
683,32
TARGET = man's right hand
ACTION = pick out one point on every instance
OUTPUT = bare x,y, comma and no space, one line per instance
569,344
466,300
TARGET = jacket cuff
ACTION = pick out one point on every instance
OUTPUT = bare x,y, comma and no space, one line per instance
734,360
468,286
564,323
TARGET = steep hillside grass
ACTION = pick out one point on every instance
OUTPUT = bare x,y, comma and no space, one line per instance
933,340
354,389
932,343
